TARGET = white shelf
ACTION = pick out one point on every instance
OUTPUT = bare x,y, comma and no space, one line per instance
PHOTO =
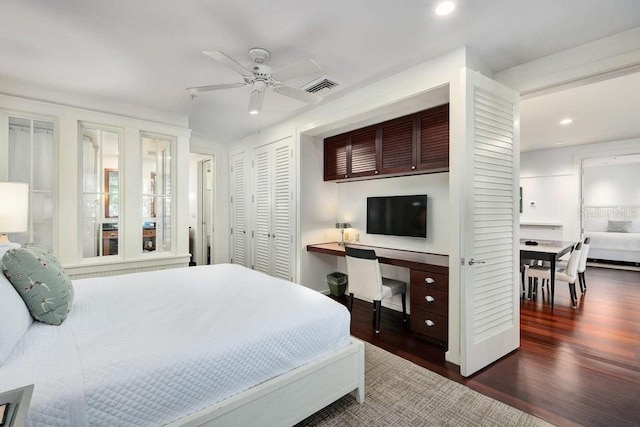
540,224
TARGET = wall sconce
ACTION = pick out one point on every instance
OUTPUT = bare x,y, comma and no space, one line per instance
342,226
14,209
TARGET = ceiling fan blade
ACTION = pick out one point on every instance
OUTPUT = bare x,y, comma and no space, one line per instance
255,102
199,89
298,69
300,95
225,59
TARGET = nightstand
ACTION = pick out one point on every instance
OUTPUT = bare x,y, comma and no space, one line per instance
22,397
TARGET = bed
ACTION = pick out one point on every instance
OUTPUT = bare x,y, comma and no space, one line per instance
210,345
618,246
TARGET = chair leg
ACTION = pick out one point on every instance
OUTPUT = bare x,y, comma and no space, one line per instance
583,282
378,308
350,302
574,296
404,307
530,288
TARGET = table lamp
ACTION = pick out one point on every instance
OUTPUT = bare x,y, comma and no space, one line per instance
14,209
342,226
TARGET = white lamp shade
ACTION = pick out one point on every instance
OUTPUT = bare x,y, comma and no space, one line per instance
14,207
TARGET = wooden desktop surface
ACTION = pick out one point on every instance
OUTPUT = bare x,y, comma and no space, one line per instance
402,258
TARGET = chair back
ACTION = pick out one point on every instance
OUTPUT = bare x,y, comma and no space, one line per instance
574,260
582,265
363,269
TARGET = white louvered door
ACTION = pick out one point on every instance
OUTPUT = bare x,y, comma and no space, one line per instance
490,284
282,203
273,209
262,210
239,211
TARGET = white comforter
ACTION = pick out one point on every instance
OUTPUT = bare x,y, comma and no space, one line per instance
150,348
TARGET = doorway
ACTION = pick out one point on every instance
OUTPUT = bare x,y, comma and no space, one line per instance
201,192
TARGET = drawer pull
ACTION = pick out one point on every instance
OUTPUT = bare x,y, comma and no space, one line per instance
429,280
429,322
429,298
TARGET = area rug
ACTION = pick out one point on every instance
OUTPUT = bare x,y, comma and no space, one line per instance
401,393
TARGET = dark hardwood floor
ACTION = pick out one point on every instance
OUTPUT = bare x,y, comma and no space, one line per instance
574,367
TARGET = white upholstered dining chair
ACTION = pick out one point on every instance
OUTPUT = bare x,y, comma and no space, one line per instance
569,274
366,281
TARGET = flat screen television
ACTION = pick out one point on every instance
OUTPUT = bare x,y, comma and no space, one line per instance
397,215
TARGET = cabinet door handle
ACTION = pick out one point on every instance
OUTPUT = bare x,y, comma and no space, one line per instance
429,280
429,323
273,235
375,173
346,176
429,298
413,168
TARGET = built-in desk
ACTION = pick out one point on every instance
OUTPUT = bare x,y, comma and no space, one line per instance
428,286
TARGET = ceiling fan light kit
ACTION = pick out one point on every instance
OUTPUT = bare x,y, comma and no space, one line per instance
260,77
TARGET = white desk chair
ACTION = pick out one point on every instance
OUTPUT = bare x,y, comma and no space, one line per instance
569,274
366,281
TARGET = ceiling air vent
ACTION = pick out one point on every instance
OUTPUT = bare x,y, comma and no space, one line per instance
320,85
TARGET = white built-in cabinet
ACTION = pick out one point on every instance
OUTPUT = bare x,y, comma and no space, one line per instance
272,208
262,209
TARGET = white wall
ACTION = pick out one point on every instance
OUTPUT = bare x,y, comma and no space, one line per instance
612,185
352,208
551,178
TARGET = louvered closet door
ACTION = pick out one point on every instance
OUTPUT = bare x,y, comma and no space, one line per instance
282,210
490,283
262,210
239,217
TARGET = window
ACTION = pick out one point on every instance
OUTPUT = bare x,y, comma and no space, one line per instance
101,209
30,160
157,194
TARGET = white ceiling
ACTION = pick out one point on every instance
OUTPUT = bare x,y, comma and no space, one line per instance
601,112
146,53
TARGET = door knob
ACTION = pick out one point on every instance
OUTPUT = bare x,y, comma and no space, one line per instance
473,261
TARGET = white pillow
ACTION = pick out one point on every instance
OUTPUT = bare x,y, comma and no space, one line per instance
15,318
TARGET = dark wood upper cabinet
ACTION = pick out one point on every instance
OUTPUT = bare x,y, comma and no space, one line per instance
433,139
415,143
364,159
335,157
398,145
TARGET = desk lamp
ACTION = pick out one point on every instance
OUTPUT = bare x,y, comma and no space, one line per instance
342,226
14,209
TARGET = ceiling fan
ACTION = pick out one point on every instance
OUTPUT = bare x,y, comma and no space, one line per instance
260,77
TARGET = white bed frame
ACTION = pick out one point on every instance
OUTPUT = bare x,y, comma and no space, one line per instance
291,397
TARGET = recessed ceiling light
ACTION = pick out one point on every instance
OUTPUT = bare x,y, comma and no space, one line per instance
445,8
254,112
565,122
559,143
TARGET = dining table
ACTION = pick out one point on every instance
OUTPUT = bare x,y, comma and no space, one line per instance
545,250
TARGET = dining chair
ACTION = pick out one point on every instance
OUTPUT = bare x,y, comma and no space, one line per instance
582,265
569,274
365,280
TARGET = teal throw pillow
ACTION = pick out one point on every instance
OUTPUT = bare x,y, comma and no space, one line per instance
41,282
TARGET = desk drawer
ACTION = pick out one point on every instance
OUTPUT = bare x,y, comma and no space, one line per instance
429,280
431,300
148,232
420,321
